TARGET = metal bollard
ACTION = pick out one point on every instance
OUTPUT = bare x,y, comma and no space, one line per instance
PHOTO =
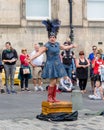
76,98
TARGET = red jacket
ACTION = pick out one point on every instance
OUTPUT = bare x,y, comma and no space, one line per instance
23,59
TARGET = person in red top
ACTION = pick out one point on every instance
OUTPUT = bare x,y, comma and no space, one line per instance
96,64
25,72
23,57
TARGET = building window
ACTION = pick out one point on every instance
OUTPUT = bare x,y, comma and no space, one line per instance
95,10
38,9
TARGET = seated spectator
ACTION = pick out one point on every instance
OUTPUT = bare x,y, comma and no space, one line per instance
98,92
65,84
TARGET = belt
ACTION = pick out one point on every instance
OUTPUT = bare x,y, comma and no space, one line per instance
37,66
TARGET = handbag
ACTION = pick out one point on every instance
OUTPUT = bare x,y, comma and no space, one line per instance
26,71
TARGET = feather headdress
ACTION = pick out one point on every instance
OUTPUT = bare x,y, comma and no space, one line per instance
52,26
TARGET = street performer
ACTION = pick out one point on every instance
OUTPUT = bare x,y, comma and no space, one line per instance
53,68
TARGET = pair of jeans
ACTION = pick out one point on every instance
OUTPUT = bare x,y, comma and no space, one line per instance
9,76
68,69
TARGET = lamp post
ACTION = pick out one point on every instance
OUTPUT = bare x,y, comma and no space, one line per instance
71,35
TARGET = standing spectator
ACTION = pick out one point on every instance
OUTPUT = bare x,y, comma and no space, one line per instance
102,54
82,71
9,57
25,71
96,63
91,57
37,65
53,68
101,68
98,92
1,67
68,60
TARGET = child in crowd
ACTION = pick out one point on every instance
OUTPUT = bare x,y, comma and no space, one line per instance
98,92
65,84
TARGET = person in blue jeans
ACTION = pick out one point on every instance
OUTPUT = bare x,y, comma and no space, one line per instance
68,60
91,58
9,57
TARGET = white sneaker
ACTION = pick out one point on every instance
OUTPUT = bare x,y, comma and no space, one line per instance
36,88
40,88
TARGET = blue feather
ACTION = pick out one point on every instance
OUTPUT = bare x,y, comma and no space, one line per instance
52,26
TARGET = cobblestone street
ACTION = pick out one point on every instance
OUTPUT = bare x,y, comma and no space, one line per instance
18,111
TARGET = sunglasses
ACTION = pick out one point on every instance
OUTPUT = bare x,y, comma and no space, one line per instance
24,50
81,54
94,49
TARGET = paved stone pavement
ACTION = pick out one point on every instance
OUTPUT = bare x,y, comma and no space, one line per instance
85,123
88,118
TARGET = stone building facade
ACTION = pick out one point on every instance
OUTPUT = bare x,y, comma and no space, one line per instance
14,26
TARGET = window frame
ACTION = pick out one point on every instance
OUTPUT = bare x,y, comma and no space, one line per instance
94,19
39,18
